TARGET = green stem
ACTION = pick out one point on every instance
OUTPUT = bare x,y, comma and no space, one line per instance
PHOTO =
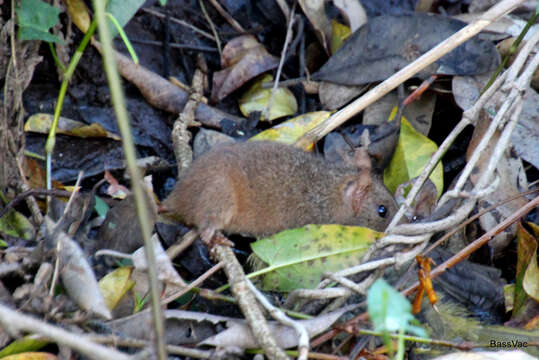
124,37
51,139
512,50
118,102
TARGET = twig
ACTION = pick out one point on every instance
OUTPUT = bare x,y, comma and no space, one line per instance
59,243
512,107
247,303
181,22
180,135
281,61
284,8
410,70
212,27
137,343
357,288
277,314
465,253
182,244
120,110
316,294
473,218
12,321
175,45
33,192
236,25
192,285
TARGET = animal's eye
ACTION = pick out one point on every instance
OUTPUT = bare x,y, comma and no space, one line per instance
382,211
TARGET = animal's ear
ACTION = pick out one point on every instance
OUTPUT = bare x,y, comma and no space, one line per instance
357,190
362,158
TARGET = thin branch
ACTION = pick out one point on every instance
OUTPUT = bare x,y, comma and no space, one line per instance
409,71
12,321
236,25
180,22
465,253
277,314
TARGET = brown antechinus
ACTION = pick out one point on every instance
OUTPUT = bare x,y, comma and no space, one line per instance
259,188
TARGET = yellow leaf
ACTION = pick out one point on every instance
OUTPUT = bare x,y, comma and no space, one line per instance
257,99
339,33
115,285
291,130
79,14
412,154
31,356
41,123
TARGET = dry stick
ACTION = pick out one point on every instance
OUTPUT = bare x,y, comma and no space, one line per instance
33,192
59,244
236,25
410,70
212,27
247,303
281,61
181,22
473,218
279,315
137,343
12,321
518,87
465,253
180,245
469,117
180,135
193,284
284,8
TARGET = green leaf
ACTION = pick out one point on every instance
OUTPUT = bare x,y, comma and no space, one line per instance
35,18
297,258
123,11
25,344
412,154
389,310
101,207
16,224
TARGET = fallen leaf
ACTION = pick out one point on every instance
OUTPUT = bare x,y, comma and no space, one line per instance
31,356
412,154
78,13
238,332
339,33
388,43
316,13
41,123
297,258
291,130
76,274
244,59
24,344
257,99
353,12
115,285
15,224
